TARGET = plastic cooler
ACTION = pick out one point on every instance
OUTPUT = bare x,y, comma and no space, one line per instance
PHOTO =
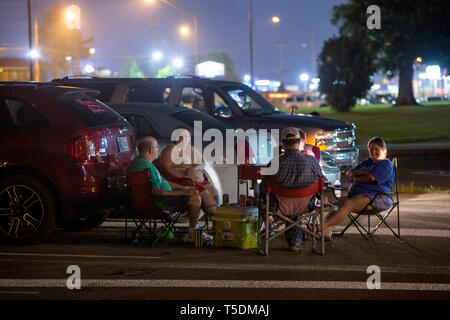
236,227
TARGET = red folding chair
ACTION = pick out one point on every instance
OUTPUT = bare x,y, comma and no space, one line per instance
270,222
146,215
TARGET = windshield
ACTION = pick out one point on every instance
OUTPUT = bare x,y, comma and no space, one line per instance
249,101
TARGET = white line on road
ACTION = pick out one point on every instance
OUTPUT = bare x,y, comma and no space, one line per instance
203,265
76,255
19,292
439,233
228,284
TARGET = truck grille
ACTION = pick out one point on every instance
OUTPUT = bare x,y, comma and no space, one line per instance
347,144
345,134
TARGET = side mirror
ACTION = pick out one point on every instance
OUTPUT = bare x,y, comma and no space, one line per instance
223,112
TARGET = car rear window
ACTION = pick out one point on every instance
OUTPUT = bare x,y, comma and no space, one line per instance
89,110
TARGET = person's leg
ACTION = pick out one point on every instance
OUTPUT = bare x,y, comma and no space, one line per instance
209,204
293,235
194,205
354,204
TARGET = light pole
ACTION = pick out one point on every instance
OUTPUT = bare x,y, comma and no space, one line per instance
250,21
30,46
276,19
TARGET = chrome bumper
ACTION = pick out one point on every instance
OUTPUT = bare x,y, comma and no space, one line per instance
346,159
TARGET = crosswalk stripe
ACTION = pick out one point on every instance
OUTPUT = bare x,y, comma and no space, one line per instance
227,284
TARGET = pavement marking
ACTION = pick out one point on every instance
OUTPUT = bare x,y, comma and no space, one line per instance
228,284
75,255
440,233
19,292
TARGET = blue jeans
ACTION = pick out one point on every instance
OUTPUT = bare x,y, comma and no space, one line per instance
294,234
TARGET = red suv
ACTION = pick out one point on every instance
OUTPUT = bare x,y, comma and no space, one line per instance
63,159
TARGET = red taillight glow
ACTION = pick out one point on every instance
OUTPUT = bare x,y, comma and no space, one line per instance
82,149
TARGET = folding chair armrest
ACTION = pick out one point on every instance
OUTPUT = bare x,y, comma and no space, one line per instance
160,196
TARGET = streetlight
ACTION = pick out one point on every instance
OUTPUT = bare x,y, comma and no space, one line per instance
304,77
177,63
276,19
157,55
195,17
184,31
419,59
34,54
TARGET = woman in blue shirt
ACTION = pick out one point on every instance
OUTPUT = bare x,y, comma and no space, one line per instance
373,175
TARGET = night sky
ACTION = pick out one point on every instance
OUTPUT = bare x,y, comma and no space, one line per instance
122,29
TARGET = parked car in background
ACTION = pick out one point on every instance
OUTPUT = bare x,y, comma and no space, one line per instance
63,159
160,120
232,102
378,98
306,99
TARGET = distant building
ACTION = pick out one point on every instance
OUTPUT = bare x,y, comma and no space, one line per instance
14,69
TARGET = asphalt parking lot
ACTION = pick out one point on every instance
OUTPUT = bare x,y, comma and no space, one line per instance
111,267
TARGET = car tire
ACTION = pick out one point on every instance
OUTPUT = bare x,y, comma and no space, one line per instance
27,210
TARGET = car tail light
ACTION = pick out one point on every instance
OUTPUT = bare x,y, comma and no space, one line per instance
82,149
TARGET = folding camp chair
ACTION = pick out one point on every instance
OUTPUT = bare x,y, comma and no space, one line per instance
369,210
270,222
146,215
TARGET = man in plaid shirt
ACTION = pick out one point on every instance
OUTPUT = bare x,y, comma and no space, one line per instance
297,169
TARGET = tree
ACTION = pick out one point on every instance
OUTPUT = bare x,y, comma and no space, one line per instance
59,42
165,72
131,70
344,70
409,29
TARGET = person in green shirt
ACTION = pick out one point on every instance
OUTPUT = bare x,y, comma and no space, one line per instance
148,152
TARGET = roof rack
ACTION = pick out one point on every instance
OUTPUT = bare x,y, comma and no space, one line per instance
79,76
184,76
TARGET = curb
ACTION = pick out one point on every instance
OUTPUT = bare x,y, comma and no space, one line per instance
411,150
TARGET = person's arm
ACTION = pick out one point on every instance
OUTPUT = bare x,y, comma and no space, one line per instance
165,162
182,192
360,176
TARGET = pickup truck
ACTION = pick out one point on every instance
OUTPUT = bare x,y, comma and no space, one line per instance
236,104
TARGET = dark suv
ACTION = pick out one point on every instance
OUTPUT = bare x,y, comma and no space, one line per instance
232,102
62,155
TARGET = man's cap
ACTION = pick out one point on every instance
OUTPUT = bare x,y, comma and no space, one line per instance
289,133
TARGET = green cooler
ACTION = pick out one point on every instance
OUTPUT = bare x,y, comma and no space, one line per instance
236,227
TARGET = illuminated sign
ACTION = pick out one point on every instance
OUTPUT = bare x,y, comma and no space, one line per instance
277,95
210,69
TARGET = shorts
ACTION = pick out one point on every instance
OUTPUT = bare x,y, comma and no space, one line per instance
381,202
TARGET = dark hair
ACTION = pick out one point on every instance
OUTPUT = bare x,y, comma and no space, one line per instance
378,141
290,142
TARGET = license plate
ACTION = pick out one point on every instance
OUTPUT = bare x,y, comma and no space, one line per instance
122,142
